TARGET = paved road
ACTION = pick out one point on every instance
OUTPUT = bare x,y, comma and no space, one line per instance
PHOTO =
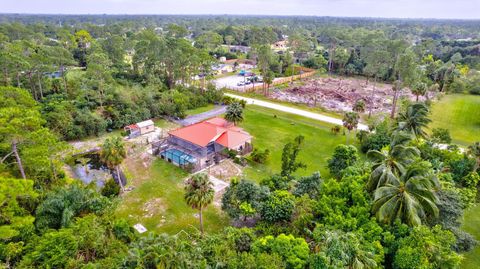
202,116
296,111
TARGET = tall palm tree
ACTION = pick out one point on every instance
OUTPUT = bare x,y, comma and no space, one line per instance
234,113
414,119
199,194
350,121
112,154
409,199
390,162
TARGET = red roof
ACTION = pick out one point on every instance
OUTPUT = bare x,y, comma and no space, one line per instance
131,127
215,129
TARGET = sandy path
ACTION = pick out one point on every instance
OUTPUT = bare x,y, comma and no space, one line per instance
296,111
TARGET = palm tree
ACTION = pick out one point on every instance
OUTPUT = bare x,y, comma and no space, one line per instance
409,199
350,121
199,194
234,113
414,119
390,162
112,154
419,89
474,150
359,106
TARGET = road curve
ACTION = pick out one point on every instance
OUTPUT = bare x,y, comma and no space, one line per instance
296,111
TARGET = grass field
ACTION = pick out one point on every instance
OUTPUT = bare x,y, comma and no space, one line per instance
200,110
471,224
460,113
157,202
274,132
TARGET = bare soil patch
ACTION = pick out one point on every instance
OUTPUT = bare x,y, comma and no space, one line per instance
341,93
153,207
225,170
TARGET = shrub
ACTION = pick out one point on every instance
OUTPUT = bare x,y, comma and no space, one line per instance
441,135
294,251
260,156
110,189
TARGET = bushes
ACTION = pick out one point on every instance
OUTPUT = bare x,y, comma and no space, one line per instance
259,156
294,251
278,207
441,135
110,189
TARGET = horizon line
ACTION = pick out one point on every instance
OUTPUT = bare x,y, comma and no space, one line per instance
240,15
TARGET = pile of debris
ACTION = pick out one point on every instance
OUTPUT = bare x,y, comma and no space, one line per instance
340,94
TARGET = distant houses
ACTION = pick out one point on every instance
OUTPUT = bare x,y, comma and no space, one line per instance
237,48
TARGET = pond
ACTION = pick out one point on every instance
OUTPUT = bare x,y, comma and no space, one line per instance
89,168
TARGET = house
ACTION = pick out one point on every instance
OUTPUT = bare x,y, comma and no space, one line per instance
140,128
204,143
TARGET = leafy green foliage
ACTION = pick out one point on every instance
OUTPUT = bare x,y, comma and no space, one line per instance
289,157
63,205
441,135
243,192
260,156
278,207
18,202
310,185
294,251
110,189
427,248
343,157
340,250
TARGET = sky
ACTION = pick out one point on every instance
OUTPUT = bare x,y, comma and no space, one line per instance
442,9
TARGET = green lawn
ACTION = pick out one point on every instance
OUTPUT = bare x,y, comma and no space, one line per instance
161,192
471,224
460,113
273,133
199,110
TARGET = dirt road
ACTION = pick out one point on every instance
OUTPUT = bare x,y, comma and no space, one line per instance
296,111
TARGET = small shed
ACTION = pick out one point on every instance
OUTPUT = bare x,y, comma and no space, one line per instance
140,128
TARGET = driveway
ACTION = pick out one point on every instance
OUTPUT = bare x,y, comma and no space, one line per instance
296,111
202,116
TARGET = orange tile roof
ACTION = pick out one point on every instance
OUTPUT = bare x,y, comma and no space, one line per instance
210,130
233,139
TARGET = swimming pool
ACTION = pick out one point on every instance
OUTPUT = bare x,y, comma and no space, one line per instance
177,156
